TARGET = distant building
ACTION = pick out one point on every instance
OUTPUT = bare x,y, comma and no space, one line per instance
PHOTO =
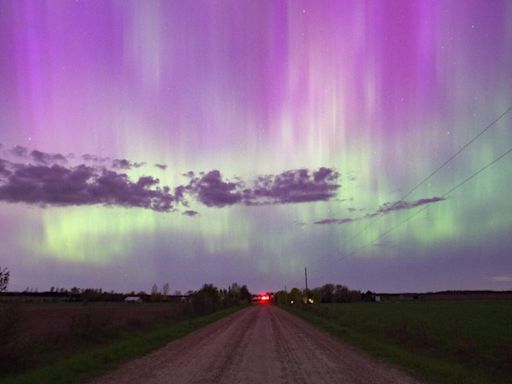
133,299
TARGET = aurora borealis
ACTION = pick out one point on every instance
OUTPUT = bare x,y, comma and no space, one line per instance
287,134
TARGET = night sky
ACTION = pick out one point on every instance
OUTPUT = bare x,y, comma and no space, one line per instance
217,141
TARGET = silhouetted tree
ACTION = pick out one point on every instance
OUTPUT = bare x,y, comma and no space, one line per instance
245,295
368,296
344,295
4,278
154,293
295,295
206,300
75,291
166,289
281,298
327,293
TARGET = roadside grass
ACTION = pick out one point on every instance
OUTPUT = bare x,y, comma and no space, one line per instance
451,342
88,361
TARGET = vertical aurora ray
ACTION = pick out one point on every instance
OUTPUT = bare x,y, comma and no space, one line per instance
383,91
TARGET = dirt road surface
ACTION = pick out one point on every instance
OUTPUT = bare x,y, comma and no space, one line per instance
262,344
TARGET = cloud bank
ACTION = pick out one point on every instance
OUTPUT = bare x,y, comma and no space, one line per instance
49,179
81,185
294,186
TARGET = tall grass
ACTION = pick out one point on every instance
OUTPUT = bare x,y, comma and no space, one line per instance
28,355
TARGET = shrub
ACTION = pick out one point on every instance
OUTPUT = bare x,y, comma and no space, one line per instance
206,300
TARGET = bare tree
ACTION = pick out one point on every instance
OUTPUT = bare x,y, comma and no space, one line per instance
4,279
165,289
155,295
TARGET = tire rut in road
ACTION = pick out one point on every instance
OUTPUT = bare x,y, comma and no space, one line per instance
290,366
225,366
302,361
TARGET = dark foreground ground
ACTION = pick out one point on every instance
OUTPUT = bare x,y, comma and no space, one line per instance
260,344
449,342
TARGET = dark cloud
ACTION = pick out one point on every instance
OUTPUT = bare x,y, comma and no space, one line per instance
48,179
44,158
38,156
82,185
19,151
327,221
126,164
3,168
211,190
161,166
94,159
190,213
400,205
123,164
335,221
384,209
47,158
180,193
295,186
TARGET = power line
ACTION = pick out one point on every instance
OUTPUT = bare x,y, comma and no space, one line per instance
459,151
380,237
435,171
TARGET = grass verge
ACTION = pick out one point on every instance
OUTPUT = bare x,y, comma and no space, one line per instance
449,343
84,365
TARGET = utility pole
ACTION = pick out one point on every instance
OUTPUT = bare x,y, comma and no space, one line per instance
306,279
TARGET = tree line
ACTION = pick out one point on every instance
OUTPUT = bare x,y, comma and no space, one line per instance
207,299
327,293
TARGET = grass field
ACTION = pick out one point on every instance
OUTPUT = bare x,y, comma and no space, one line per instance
43,320
69,342
442,342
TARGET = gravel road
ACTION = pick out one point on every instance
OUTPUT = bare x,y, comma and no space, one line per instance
261,344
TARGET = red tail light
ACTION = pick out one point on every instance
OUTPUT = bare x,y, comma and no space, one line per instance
263,298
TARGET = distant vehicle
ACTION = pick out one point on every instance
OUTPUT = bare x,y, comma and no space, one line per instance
263,298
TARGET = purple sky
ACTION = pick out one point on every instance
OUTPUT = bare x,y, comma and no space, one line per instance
216,141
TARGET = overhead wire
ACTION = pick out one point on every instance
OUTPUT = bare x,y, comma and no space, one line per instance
435,171
425,179
410,217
